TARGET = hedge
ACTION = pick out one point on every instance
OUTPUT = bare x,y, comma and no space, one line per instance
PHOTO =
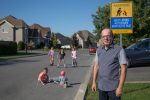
8,48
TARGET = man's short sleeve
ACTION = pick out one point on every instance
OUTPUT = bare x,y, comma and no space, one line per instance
96,58
122,57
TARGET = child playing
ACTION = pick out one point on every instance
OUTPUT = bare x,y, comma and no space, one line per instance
62,79
74,57
43,77
51,54
61,57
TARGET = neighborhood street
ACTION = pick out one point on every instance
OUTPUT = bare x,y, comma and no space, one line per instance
74,50
19,78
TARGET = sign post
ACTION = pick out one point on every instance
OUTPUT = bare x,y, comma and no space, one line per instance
121,18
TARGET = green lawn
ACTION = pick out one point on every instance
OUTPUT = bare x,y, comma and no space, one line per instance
132,91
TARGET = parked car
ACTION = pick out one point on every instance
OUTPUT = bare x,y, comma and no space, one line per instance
92,50
139,53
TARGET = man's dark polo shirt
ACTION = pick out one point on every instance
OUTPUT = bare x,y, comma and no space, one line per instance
109,62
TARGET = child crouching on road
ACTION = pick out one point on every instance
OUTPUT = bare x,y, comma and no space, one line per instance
43,77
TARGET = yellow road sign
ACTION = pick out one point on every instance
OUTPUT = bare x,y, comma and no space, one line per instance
121,17
121,9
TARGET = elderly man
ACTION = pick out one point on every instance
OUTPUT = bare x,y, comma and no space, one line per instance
109,68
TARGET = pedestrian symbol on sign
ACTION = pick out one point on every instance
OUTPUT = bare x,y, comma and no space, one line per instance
119,12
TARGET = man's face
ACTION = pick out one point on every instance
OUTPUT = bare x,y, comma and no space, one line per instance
106,37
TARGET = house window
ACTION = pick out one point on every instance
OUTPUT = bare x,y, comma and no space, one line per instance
4,30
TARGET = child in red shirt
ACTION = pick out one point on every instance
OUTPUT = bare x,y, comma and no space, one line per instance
43,77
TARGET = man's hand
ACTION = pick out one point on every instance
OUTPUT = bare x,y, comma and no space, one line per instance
119,92
94,87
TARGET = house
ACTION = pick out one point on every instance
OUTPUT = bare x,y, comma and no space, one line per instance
84,38
63,40
39,35
13,29
60,40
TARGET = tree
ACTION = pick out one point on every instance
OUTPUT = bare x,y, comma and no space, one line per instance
141,21
54,39
31,45
101,20
75,41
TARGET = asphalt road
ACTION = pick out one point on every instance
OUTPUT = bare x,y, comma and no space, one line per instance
18,78
141,73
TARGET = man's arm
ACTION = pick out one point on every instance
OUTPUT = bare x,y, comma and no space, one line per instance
123,64
95,72
119,90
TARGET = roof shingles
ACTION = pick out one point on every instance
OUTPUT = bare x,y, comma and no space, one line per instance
18,23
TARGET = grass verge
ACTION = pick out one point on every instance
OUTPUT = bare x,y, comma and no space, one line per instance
132,91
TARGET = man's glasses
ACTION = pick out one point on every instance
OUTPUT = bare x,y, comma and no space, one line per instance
106,36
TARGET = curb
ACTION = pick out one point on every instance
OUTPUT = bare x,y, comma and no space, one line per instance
40,54
3,61
83,87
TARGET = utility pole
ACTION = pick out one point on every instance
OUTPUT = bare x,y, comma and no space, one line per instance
26,39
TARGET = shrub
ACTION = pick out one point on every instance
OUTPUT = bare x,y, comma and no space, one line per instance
21,45
46,48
